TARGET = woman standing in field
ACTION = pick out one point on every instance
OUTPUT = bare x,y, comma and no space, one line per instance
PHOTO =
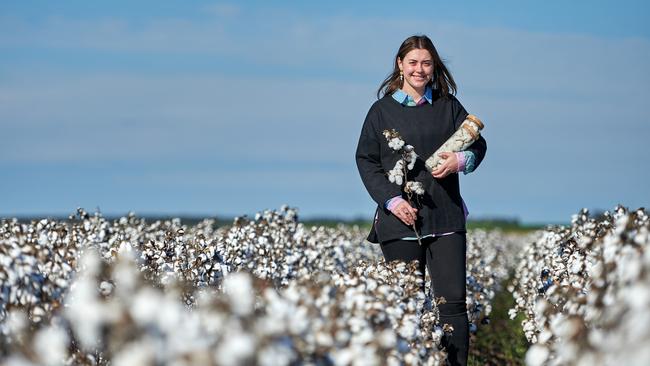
417,100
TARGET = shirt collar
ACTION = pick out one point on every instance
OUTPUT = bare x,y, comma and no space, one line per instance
402,97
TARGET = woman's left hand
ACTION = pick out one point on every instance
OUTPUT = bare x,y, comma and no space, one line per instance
449,165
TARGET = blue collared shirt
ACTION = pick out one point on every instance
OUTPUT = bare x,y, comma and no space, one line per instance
405,99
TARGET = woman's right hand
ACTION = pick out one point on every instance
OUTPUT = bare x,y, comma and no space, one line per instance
405,212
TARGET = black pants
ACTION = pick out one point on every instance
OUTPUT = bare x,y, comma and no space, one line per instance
445,257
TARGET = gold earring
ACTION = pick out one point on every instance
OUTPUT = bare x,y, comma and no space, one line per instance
401,76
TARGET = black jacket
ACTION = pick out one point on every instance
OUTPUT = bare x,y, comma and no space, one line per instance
426,127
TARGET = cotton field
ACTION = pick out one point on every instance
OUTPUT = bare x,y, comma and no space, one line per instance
266,290
270,290
585,291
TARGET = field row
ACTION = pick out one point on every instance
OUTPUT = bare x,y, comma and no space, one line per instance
266,290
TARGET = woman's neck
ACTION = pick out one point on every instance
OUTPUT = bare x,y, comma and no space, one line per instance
415,94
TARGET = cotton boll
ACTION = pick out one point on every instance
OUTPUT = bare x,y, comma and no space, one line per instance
410,157
125,275
135,354
16,322
638,296
408,328
576,267
43,239
387,338
85,311
239,289
51,345
365,336
342,356
544,336
324,339
610,248
396,143
512,313
106,288
536,355
90,263
396,174
145,306
236,349
170,315
629,264
275,355
415,187
411,165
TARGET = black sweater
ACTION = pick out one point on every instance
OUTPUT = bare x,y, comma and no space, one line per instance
426,127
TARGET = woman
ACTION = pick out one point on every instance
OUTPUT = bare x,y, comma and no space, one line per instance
418,102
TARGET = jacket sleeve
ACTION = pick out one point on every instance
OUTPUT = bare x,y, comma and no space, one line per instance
479,147
368,157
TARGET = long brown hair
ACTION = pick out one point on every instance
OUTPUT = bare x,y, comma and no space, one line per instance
442,82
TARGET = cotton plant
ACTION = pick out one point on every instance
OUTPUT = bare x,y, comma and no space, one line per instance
585,291
399,173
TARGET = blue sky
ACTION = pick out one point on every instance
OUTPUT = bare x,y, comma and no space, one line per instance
214,108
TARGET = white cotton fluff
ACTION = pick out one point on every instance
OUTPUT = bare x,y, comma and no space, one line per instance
387,338
136,353
106,288
536,355
396,175
16,321
85,311
275,355
396,143
51,345
145,306
410,156
239,288
415,187
235,350
408,329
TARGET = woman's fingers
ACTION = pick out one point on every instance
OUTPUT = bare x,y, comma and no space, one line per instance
441,172
446,168
449,165
406,213
407,219
400,212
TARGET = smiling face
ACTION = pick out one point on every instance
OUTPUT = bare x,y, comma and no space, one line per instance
417,66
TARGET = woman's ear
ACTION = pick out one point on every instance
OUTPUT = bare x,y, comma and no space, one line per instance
399,64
